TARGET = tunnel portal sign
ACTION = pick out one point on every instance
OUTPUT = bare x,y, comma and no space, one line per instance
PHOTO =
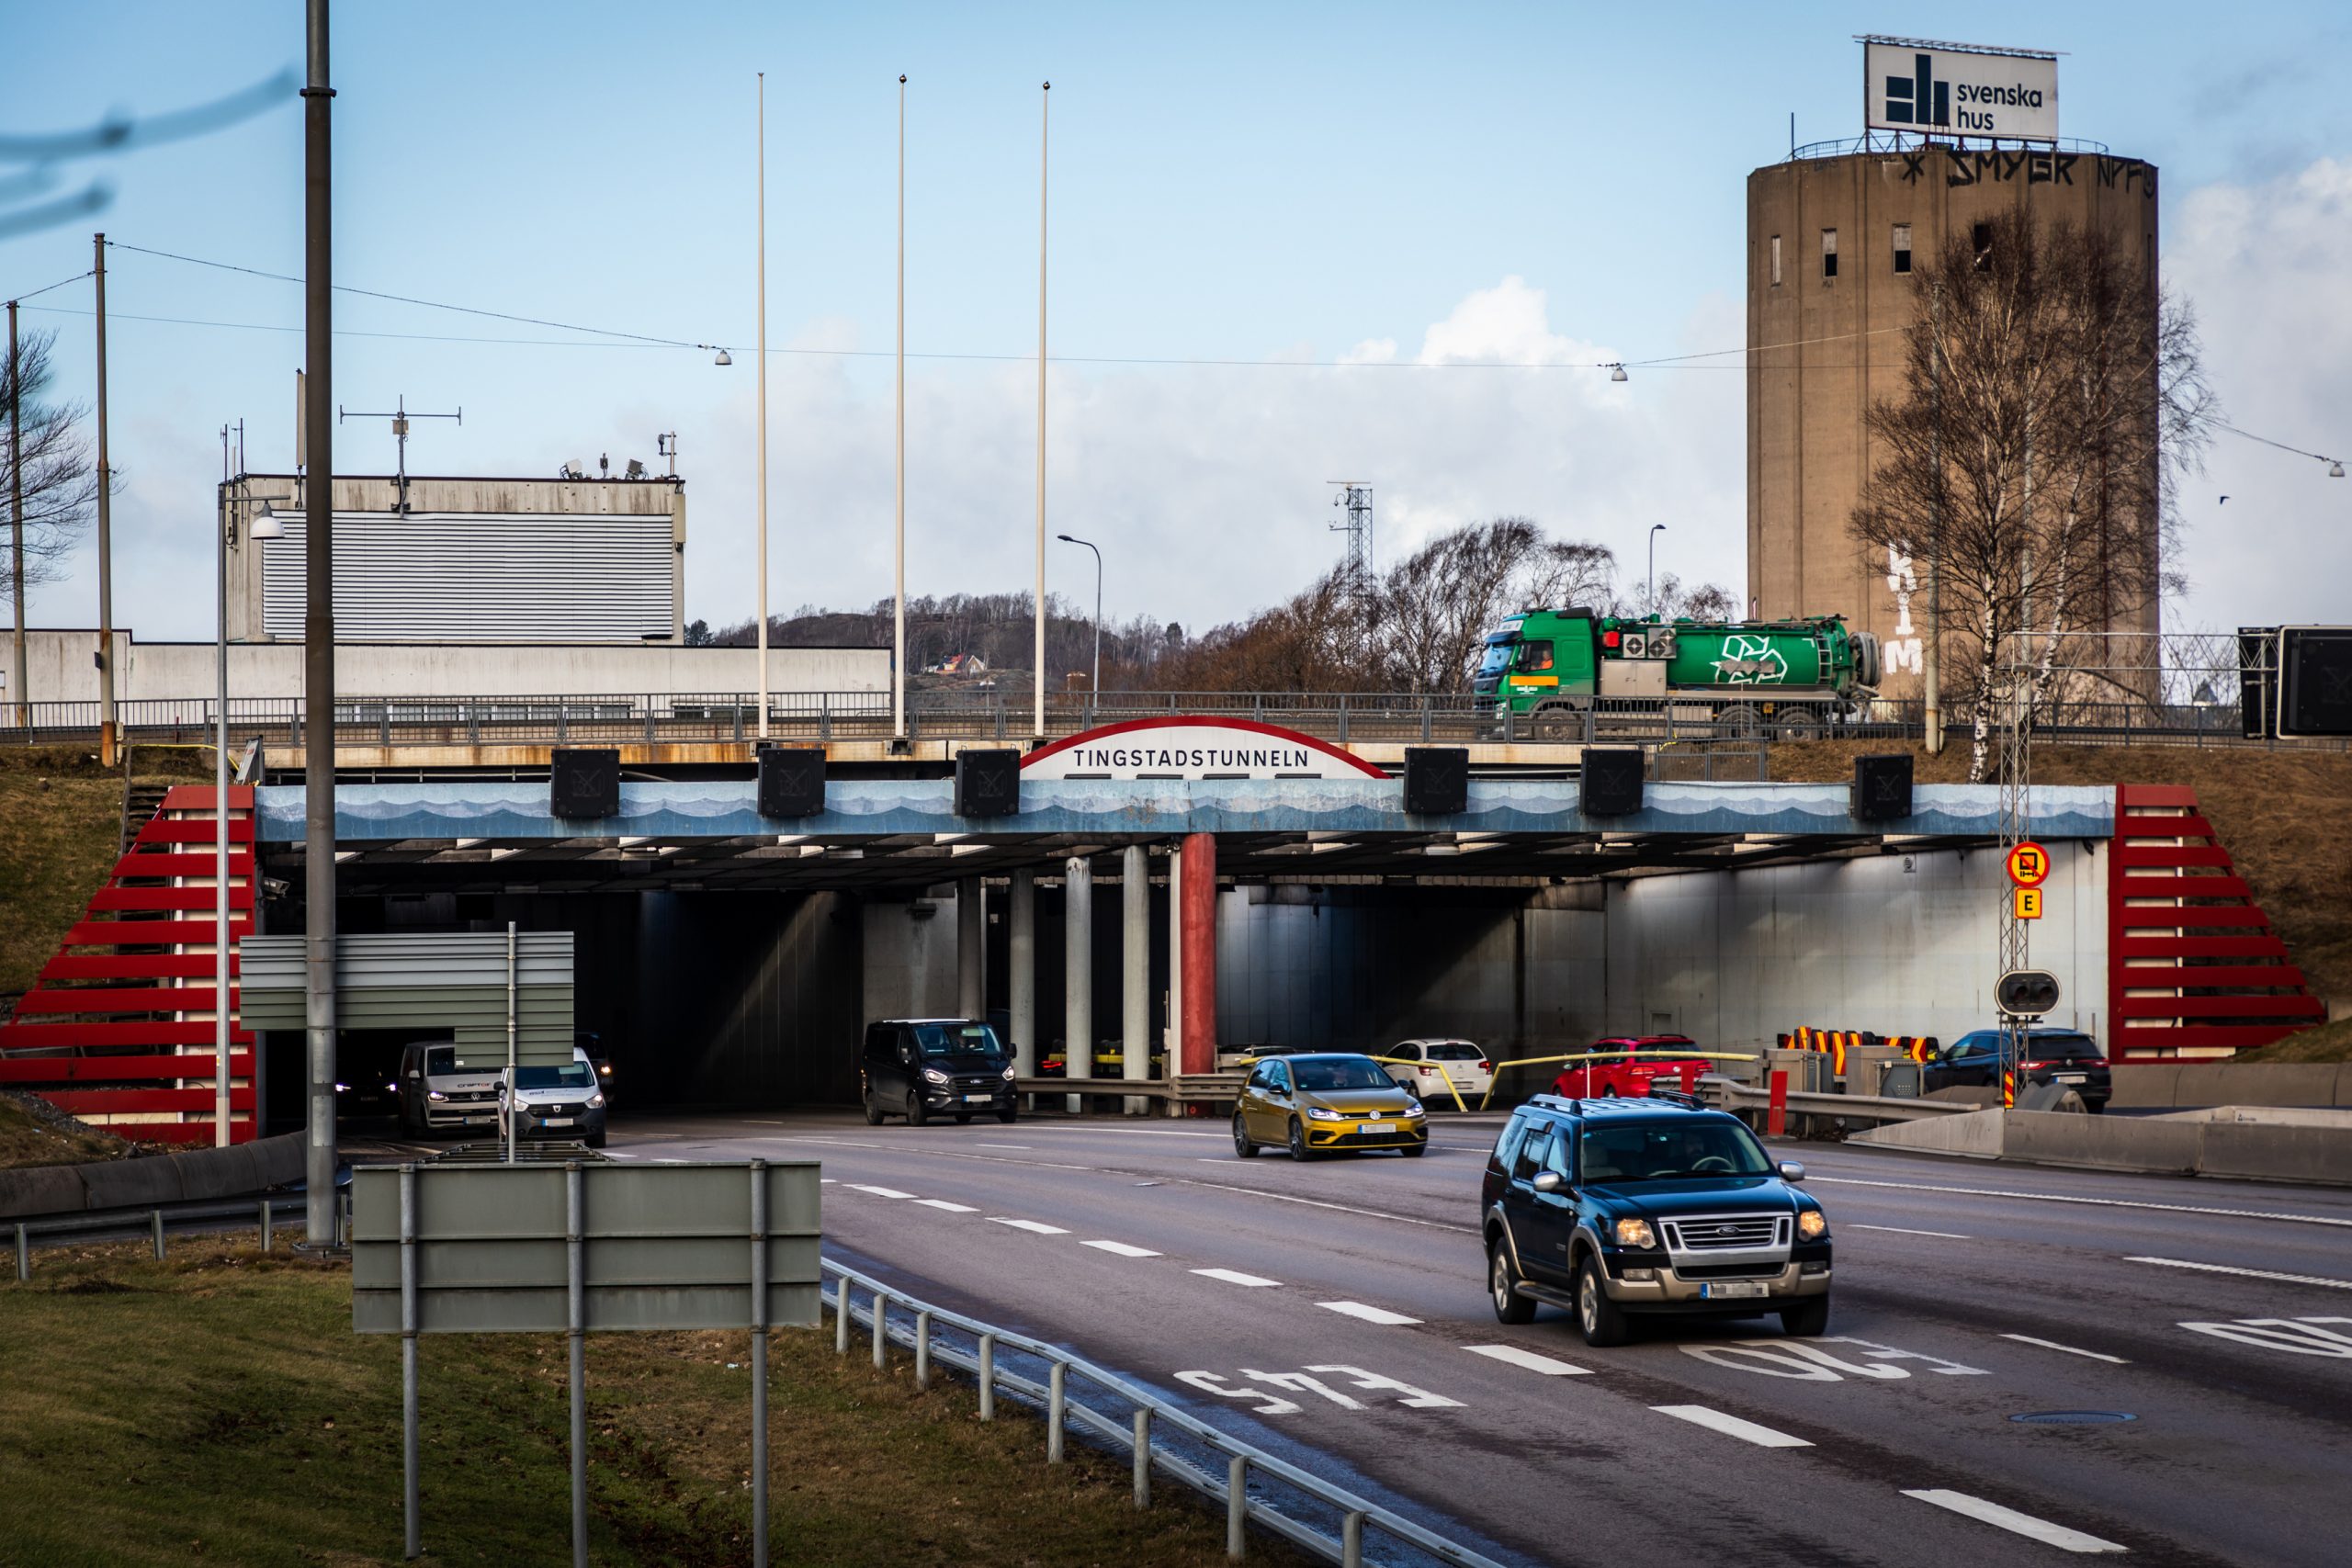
1189,747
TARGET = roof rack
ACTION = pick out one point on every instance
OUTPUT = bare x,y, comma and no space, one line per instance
1669,1100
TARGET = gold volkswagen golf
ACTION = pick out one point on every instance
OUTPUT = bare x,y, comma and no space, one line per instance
1312,1105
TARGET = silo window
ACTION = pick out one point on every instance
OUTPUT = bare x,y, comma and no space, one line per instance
1775,261
1902,247
1829,253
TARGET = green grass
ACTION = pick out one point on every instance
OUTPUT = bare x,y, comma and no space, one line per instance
2325,1043
217,1407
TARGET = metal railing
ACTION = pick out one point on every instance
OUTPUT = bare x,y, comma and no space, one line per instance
153,1219
1314,1514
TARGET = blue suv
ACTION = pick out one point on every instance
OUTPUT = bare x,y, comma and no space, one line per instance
1612,1207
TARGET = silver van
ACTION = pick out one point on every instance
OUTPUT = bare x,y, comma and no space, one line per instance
436,1097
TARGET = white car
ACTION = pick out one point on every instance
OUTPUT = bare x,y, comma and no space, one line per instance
556,1103
1429,1066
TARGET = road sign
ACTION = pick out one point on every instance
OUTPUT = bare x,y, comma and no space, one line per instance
2028,902
2027,993
2029,866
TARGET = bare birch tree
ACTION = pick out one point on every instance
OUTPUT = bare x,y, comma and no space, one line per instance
59,482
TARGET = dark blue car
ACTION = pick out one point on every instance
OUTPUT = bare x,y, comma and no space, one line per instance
2064,1056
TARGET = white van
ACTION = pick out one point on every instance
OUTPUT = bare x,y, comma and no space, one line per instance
436,1097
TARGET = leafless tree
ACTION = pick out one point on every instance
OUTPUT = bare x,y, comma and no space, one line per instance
1433,608
2050,399
59,482
1676,600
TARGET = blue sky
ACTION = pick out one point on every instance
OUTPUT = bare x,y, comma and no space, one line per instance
1230,182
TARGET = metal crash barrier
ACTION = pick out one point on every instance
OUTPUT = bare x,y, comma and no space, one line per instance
1311,1513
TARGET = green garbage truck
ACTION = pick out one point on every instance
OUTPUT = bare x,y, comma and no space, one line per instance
1547,671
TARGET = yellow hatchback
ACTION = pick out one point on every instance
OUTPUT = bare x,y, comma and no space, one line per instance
1315,1104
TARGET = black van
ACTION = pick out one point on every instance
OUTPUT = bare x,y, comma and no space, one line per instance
922,1067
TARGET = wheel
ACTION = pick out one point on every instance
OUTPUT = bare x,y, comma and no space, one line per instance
916,1114
873,1111
1414,1151
1559,722
1008,1116
1298,1150
1242,1147
962,1117
597,1142
1601,1320
1502,1284
1806,1320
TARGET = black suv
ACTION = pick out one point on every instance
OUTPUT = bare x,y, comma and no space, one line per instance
2066,1057
1613,1207
922,1067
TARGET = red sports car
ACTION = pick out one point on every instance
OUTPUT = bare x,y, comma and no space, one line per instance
1631,1076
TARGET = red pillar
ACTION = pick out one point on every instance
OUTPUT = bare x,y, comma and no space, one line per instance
1199,917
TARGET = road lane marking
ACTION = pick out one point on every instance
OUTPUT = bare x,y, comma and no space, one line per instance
1816,1179
1905,1230
1369,1314
1731,1426
2298,1336
2071,1350
1516,1356
1234,1277
950,1208
1805,1360
2042,1531
1121,1249
1130,1131
1211,1382
1029,1225
1319,1203
878,1192
825,1181
2246,1273
1023,1148
1414,1398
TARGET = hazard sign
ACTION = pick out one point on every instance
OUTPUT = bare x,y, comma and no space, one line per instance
2028,902
2028,864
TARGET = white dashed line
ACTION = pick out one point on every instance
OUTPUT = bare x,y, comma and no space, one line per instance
1023,1148
1234,1277
1368,1314
1121,1249
2054,1345
2042,1530
1731,1426
878,1192
1318,1204
824,1181
950,1208
1029,1225
1530,1360
1817,1179
2245,1273
1904,1230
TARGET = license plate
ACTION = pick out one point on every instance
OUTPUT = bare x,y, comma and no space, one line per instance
557,1122
978,1098
477,1118
1377,1127
2072,1078
1720,1290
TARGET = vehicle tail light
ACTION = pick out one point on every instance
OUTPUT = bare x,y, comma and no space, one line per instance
1485,1067
1611,640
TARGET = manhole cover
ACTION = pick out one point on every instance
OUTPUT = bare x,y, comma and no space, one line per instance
2072,1417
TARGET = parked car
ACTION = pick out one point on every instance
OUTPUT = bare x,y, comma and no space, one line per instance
1612,1208
922,1067
1632,1074
552,1102
1438,1070
437,1095
1314,1104
593,1044
2064,1056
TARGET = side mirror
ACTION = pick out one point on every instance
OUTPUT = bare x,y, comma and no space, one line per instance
1550,1182
1791,1171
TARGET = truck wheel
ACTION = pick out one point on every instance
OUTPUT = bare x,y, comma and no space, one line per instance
1502,1285
1601,1320
1807,1320
1556,722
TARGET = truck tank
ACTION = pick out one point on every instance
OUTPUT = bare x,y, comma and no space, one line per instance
1803,655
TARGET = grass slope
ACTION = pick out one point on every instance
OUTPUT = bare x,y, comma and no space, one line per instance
30,1140
217,1407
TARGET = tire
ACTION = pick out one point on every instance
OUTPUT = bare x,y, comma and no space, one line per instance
916,1114
1414,1151
1558,722
1502,1287
873,1111
1602,1321
597,1142
1243,1147
1807,1320
1008,1117
1298,1149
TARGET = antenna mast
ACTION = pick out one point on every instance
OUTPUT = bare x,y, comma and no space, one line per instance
1356,496
400,416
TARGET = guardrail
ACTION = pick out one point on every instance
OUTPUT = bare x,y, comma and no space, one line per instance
1724,1094
153,1219
1332,1525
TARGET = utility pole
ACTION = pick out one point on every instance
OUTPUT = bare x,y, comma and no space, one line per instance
1044,126
2016,783
1932,665
106,535
17,676
899,546
760,124
318,635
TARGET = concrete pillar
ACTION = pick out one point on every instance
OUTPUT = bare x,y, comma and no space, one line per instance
1020,985
1134,967
1199,925
971,949
1078,971
1173,1044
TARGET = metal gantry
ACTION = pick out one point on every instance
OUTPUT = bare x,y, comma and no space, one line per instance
2015,781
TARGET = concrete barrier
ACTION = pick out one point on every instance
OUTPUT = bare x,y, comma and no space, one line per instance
152,1178
2206,1146
2143,1085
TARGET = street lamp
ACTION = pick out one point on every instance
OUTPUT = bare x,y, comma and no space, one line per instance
1656,528
264,525
1096,688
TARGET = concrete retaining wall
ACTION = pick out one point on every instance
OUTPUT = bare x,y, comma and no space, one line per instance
2144,1085
2164,1145
152,1178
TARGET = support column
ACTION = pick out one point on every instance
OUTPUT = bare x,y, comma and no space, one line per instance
1077,972
971,949
1134,968
1198,924
1173,1044
1021,982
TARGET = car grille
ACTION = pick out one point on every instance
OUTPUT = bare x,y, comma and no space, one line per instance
559,1109
1723,1232
978,1084
473,1097
1728,1270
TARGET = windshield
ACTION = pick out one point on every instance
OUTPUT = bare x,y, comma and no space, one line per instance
1496,659
2061,1047
1671,1151
441,1059
573,1074
956,1040
1342,1072
1454,1050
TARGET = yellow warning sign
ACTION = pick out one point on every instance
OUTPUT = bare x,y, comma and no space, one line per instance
2028,902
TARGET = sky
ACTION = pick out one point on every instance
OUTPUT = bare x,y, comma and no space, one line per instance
1403,195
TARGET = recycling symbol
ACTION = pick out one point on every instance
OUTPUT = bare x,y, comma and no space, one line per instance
1751,661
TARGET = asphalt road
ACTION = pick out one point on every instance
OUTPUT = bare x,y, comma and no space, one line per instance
1349,1329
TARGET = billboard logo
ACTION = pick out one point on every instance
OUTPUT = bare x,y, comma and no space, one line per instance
1918,98
1909,85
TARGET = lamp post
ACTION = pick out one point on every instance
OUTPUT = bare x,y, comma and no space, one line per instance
1095,688
265,526
1656,528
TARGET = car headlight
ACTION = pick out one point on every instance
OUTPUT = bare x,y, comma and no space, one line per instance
1813,1225
596,1102
1635,1233
1011,1073
1414,1111
1316,1114
933,1075
435,1094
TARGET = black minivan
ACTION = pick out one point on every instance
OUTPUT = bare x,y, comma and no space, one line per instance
922,1067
